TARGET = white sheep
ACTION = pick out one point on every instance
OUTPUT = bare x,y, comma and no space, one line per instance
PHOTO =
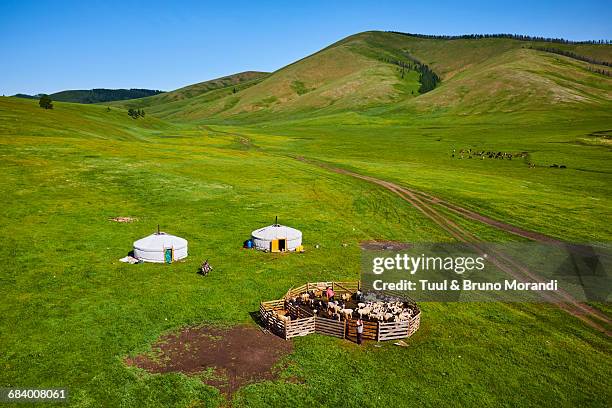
365,311
405,314
333,306
282,316
346,313
376,316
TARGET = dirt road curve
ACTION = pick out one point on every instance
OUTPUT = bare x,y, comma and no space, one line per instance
428,204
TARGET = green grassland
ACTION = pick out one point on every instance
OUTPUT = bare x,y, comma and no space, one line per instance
567,203
212,167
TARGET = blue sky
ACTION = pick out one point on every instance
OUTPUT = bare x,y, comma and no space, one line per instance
47,46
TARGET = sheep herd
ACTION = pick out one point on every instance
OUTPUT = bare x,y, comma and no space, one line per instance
382,311
348,307
488,154
469,153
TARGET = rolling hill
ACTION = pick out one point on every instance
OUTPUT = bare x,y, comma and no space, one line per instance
95,95
178,98
376,72
73,121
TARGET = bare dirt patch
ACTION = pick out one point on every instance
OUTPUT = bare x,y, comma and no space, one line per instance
225,358
384,245
124,219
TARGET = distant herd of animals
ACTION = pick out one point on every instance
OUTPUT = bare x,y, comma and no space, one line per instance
469,153
487,154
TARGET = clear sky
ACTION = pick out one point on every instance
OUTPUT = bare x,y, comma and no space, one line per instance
47,46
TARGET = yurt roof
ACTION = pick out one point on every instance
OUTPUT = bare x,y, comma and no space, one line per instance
158,241
276,231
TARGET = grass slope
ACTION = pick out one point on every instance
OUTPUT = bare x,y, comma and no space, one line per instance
521,80
354,74
74,120
174,98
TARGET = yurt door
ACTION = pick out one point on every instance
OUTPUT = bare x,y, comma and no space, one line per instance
168,255
274,245
282,245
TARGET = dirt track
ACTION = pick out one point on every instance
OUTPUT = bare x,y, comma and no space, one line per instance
427,203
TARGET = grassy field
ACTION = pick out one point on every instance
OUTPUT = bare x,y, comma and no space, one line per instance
567,203
213,161
71,312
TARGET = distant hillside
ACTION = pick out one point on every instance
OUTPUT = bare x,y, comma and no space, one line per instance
96,95
333,76
492,74
23,117
387,72
171,100
102,95
25,96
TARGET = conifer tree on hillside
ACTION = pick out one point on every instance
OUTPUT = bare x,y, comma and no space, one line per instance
136,113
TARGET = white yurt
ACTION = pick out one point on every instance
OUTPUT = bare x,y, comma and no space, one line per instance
277,238
160,247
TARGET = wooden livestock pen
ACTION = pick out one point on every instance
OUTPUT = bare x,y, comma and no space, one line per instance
304,322
273,323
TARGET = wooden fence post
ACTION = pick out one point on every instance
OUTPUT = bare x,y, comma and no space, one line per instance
285,323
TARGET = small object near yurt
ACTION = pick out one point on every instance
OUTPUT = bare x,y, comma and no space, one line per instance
161,248
277,238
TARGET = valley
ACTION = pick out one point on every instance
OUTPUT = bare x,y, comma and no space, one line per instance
344,146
